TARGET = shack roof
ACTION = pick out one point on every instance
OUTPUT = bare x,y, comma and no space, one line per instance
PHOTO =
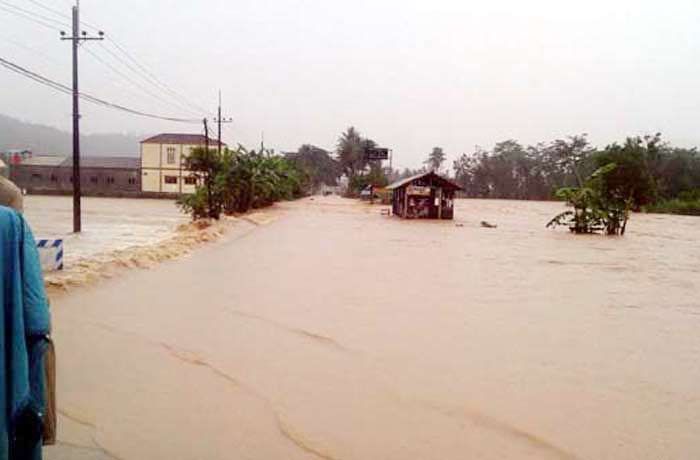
431,174
179,138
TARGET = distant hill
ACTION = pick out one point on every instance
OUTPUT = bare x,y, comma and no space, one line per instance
40,139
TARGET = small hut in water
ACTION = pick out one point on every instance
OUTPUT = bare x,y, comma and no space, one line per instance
424,196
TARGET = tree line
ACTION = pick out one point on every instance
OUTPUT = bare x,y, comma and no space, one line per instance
536,172
659,176
349,160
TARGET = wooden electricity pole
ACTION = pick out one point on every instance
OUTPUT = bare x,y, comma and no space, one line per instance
76,38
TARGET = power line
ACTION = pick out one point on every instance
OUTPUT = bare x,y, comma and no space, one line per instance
33,14
139,69
132,68
143,73
153,77
87,97
47,8
130,80
150,79
46,56
30,18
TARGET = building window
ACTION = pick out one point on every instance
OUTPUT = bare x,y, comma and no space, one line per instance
54,178
132,180
190,180
170,179
93,180
171,155
110,180
36,176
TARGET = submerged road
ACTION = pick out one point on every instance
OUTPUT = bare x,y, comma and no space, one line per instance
336,333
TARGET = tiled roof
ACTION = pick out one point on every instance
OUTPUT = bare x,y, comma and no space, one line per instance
174,138
105,162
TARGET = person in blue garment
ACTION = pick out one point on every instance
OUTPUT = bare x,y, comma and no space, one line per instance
24,332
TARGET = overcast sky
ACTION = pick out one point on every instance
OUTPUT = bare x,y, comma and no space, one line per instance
409,74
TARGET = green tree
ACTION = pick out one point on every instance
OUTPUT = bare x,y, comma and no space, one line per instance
632,180
242,179
570,155
206,165
318,163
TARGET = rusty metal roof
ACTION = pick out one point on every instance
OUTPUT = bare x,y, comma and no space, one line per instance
43,160
444,182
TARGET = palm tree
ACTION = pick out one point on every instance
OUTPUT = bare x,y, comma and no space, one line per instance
350,150
436,159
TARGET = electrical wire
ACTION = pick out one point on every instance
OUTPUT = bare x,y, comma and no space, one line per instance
65,16
155,79
30,18
87,97
140,69
133,82
46,56
34,14
49,9
132,68
137,68
151,78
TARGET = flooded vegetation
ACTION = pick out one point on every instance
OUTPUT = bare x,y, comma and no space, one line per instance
336,332
380,231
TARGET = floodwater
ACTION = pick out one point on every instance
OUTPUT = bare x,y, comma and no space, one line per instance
109,224
334,332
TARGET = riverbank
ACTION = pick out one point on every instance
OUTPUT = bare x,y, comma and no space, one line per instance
336,332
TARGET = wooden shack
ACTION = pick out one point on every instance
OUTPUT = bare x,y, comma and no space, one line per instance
423,196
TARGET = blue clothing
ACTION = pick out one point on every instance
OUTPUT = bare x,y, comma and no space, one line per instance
24,326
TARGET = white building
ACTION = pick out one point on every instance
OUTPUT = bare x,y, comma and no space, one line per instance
162,162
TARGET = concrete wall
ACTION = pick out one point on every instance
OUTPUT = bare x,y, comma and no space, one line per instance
161,168
93,181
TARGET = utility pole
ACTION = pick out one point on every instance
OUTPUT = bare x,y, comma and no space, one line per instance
206,135
76,38
219,120
208,179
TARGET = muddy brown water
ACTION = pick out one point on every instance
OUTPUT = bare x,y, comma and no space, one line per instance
334,332
108,224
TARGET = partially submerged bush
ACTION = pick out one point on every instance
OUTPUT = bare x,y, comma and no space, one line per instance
598,206
238,180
